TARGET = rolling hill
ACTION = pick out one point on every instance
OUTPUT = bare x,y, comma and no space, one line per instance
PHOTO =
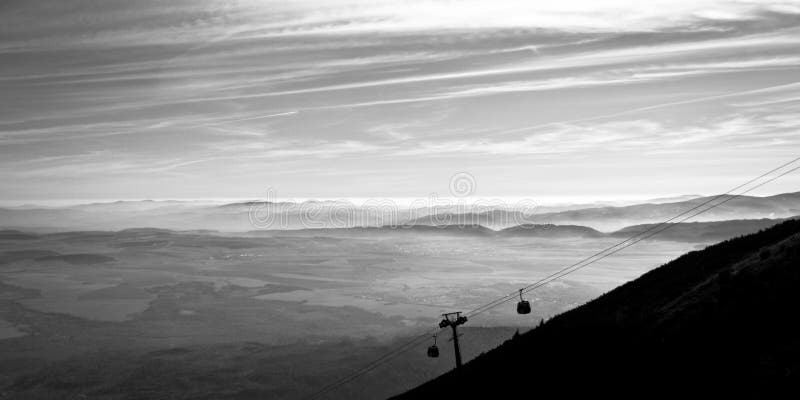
495,219
719,322
551,231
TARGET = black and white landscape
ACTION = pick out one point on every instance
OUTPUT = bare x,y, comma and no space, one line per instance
235,314
247,199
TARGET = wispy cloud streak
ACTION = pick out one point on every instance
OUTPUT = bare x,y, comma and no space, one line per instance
196,90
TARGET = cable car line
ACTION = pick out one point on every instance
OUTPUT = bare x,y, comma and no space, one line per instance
369,367
568,270
507,297
594,258
565,272
573,268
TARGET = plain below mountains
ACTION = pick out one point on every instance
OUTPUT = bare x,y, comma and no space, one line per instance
716,323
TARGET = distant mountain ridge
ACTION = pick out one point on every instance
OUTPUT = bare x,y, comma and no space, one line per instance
716,323
611,218
264,215
701,231
550,230
741,207
471,230
495,219
692,232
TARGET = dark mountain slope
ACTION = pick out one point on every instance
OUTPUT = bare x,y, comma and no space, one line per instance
721,322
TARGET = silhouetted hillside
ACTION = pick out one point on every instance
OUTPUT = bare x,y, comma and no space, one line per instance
720,322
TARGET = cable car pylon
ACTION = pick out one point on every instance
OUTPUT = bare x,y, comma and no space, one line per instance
453,320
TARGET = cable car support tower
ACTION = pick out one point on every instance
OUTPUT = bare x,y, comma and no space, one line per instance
453,320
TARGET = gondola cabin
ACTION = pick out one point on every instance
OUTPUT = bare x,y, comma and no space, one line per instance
523,307
433,351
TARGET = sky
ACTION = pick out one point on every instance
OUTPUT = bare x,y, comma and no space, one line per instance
202,99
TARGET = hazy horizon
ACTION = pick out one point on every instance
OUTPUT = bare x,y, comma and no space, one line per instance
400,201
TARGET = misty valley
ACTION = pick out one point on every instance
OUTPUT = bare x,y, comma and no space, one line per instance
144,311
81,301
